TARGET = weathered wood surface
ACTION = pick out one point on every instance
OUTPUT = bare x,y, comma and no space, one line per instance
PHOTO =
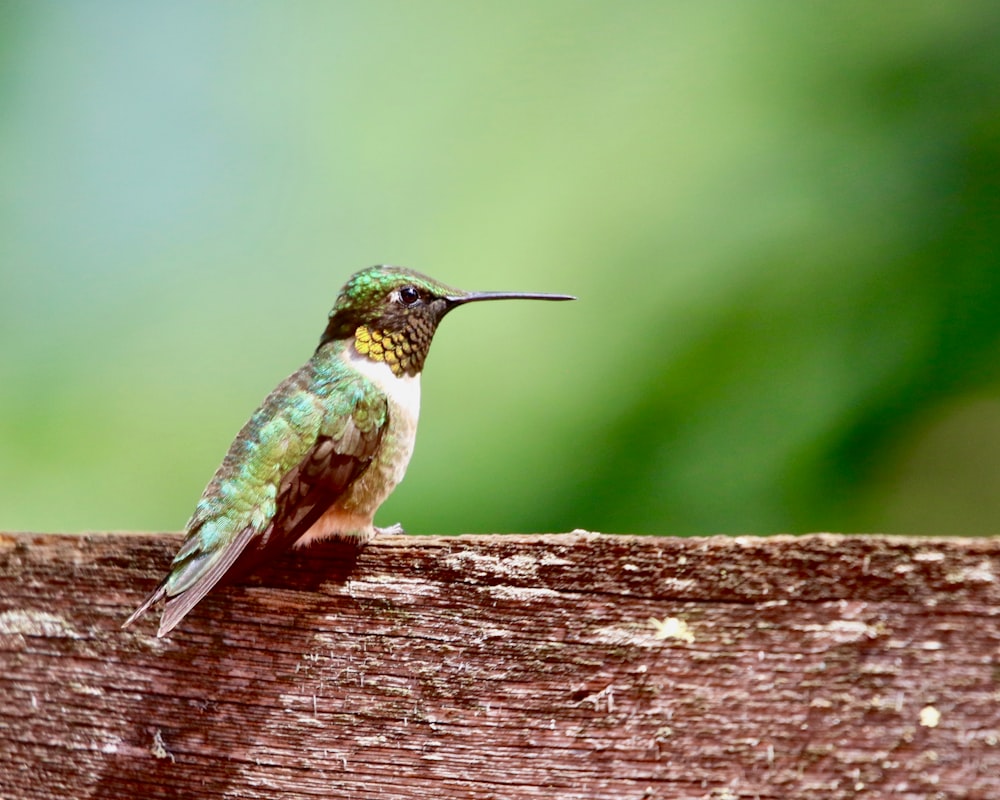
573,666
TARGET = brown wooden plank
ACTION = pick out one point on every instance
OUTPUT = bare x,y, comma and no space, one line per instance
509,667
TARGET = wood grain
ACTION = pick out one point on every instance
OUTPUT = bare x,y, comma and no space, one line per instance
560,666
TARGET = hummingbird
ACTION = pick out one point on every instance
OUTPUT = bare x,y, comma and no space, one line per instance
328,445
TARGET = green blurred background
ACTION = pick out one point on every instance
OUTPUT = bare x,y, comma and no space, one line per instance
781,220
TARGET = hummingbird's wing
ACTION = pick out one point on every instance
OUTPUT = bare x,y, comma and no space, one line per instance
290,462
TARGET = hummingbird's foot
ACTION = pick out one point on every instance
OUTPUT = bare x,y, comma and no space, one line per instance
392,530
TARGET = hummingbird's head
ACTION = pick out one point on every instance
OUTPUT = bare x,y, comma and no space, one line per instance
390,314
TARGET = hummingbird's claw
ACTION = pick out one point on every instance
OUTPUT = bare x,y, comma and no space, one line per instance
392,530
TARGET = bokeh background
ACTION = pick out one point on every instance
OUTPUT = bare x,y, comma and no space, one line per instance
782,220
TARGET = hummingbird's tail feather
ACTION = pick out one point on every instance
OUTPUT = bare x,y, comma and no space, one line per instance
211,572
154,596
206,575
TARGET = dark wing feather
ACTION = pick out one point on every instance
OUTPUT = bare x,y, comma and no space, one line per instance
311,488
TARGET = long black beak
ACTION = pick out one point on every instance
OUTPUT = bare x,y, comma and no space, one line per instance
475,297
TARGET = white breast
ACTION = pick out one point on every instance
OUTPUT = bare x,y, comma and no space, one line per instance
403,391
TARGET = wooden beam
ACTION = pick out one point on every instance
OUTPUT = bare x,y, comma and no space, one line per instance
564,666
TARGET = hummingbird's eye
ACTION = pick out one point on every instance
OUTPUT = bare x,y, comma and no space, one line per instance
409,295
